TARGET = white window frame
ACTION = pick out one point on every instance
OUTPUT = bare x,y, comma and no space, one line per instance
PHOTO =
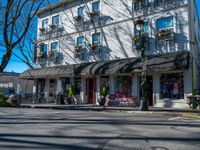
55,50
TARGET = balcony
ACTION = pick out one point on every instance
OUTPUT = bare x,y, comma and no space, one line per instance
143,7
95,18
53,56
41,57
50,32
79,52
95,49
165,40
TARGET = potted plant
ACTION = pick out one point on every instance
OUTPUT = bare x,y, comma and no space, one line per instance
104,92
70,94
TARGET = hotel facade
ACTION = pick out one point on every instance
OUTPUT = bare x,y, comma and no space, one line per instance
87,43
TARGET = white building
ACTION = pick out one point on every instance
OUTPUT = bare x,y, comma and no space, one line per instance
89,42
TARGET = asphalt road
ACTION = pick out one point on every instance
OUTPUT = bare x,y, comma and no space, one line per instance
60,129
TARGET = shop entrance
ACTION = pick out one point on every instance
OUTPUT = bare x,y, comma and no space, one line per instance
149,90
91,90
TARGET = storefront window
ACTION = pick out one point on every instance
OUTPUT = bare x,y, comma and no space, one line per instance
171,86
65,84
77,85
123,85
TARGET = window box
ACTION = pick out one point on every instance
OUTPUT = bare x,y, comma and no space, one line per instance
78,18
40,54
164,34
42,30
78,48
136,1
52,26
93,14
50,53
94,47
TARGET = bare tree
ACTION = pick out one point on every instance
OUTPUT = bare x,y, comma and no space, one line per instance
17,20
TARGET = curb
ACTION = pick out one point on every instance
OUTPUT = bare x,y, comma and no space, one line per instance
173,113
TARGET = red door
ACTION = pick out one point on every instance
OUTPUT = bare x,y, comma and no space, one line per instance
91,90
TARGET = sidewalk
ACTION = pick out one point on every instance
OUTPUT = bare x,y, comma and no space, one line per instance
92,107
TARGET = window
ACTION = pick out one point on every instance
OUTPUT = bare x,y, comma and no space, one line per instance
54,46
96,6
45,23
123,85
96,38
44,49
140,4
80,11
55,20
164,23
171,86
80,40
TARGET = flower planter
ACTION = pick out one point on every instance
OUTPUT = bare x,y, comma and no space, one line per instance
42,30
52,26
94,46
93,14
78,18
40,54
164,34
50,53
136,1
78,48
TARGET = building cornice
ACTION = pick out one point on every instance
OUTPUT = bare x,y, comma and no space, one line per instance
53,6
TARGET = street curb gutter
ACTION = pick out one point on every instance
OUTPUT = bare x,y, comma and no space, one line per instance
122,110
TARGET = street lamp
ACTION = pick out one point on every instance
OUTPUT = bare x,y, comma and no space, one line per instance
139,25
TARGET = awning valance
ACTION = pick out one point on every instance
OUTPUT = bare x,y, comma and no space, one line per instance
161,62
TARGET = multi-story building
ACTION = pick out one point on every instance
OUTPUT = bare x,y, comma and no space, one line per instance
91,42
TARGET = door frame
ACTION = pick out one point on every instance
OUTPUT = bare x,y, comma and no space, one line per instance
93,99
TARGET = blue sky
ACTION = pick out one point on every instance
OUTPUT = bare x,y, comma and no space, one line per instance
17,66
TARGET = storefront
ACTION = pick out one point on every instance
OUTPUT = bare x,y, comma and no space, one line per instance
122,76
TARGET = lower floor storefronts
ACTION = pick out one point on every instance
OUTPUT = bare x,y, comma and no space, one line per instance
163,89
167,85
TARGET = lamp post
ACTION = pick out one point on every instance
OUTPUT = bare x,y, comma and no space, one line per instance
139,25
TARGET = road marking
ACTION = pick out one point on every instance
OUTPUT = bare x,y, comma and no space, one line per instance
190,116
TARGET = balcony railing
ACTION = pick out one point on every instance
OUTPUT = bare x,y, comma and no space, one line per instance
142,7
51,31
79,52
